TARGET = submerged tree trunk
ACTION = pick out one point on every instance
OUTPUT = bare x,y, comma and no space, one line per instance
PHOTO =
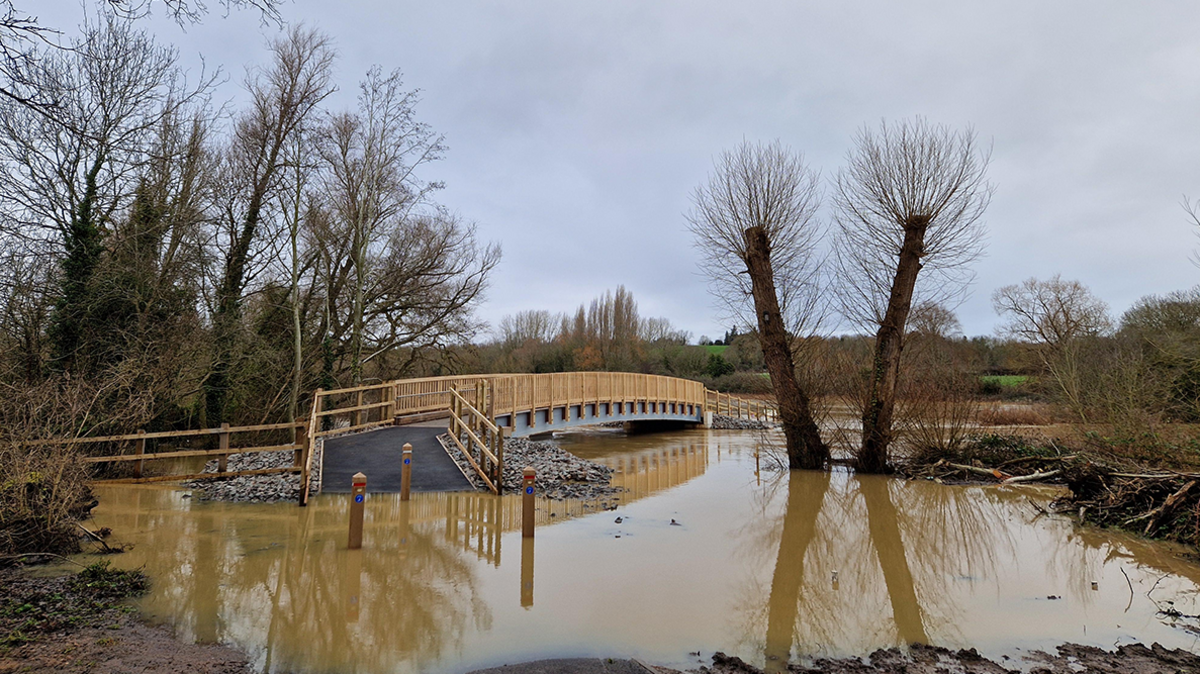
889,342
804,445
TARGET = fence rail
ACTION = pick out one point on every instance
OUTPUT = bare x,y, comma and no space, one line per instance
299,447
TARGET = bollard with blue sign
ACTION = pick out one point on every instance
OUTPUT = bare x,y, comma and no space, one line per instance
358,497
527,479
406,471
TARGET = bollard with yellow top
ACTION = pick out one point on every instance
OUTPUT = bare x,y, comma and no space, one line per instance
358,498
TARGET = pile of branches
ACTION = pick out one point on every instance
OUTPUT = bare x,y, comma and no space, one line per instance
992,459
1013,471
1156,504
1105,489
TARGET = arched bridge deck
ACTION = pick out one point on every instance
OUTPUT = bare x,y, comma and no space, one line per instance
484,410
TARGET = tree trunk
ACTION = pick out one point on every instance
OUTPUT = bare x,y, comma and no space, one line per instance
804,445
889,342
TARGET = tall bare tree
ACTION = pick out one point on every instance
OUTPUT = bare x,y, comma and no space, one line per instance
909,204
69,172
371,157
282,97
755,225
25,41
1054,315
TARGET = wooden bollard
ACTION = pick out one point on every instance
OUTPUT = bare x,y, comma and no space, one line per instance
406,472
223,459
358,497
141,449
527,478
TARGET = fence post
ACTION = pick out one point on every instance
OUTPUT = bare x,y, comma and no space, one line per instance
223,459
357,412
318,403
527,479
301,441
406,472
499,461
141,449
358,497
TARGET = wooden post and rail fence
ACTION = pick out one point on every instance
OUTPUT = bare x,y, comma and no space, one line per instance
298,447
472,404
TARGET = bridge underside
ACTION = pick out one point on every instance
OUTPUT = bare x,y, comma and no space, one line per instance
545,420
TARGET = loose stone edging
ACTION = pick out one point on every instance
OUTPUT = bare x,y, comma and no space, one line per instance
720,422
258,488
560,474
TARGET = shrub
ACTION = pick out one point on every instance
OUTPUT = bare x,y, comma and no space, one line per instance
718,367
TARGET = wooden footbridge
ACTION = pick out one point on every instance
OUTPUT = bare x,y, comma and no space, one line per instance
481,411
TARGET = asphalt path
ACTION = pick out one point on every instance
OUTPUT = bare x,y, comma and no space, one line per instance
378,453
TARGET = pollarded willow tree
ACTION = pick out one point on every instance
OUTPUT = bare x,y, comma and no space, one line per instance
909,204
755,224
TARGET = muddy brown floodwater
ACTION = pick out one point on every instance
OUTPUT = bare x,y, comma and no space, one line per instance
764,565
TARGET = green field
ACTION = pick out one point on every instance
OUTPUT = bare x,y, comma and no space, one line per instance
715,348
1005,380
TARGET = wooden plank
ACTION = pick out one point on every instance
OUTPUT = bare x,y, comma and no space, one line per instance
162,434
357,408
405,419
356,389
156,456
351,429
488,422
474,465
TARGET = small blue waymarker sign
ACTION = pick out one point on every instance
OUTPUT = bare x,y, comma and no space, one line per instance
528,490
358,498
407,461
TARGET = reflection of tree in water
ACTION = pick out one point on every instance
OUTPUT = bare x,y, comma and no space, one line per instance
849,550
221,575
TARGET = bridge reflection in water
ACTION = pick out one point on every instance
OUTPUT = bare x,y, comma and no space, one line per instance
805,563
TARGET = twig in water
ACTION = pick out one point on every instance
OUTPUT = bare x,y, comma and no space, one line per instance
1130,583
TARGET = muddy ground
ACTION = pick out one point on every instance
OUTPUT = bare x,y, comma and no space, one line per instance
71,624
1070,659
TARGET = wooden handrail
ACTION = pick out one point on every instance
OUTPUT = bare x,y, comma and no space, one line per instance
356,389
471,408
166,434
356,408
154,456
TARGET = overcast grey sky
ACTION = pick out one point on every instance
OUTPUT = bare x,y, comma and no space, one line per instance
577,130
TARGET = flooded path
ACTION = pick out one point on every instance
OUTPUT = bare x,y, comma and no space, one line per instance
764,565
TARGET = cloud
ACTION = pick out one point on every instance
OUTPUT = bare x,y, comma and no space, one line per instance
578,130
